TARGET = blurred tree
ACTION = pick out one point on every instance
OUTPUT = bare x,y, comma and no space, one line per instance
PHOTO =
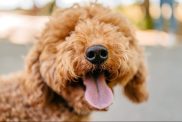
148,19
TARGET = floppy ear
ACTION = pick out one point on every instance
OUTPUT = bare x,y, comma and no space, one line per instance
57,29
34,84
136,89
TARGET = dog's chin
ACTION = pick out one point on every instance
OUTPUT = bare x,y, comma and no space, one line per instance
97,93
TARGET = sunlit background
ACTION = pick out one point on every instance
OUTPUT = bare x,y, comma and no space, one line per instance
158,25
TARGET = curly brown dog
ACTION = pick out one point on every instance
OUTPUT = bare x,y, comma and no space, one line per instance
81,55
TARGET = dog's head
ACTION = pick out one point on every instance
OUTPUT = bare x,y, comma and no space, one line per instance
82,54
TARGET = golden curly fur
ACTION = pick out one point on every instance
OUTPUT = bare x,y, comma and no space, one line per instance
50,87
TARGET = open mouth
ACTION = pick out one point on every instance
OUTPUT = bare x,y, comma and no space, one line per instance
97,92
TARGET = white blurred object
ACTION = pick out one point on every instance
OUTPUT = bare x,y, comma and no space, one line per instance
9,5
166,11
26,4
69,3
153,37
110,3
23,4
42,3
21,28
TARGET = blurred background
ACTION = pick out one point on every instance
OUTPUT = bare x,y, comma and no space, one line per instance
158,25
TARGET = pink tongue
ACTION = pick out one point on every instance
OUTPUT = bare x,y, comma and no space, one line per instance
97,93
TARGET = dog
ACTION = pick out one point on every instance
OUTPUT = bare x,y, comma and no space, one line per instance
83,52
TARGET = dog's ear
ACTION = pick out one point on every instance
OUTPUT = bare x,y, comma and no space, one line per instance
57,29
136,89
34,84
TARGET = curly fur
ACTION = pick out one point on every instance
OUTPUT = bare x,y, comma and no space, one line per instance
48,88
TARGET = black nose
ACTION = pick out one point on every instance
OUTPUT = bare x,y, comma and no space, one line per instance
96,54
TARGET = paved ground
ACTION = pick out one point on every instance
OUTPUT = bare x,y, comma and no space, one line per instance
165,85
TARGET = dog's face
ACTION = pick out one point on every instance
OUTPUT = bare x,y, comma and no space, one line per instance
95,56
84,67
